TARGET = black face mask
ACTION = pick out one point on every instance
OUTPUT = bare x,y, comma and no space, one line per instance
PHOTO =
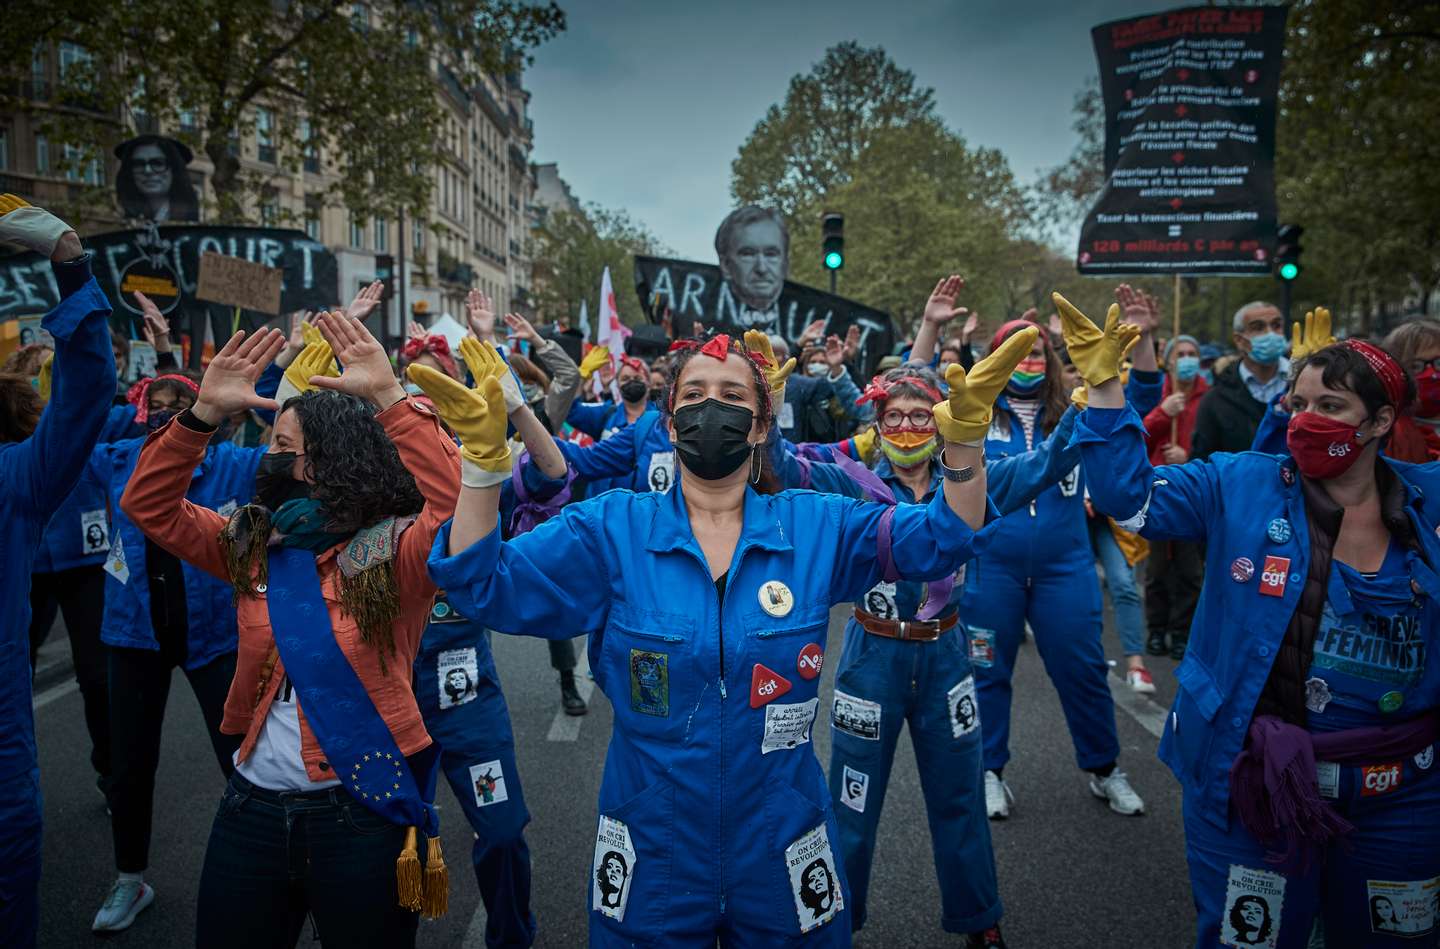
273,482
657,394
633,390
157,419
712,438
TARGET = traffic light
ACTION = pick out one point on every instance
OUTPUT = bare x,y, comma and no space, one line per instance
1287,251
832,226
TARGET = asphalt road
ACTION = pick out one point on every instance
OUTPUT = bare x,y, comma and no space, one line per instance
1072,874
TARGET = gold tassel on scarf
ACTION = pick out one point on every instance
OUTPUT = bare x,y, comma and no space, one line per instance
437,881
372,598
407,874
243,541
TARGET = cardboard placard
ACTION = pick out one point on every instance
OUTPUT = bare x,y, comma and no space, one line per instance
240,283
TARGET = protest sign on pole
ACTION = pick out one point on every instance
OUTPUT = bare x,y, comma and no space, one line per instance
1189,143
236,282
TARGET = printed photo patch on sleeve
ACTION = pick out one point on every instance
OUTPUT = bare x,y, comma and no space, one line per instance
813,881
488,780
855,716
459,674
1404,908
1253,901
650,682
964,712
880,601
854,788
94,531
982,647
613,869
788,725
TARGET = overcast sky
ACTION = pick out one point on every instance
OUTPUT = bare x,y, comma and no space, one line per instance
644,103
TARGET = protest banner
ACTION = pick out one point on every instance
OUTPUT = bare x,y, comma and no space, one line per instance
236,282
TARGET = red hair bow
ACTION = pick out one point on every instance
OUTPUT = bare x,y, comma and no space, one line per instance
434,344
718,347
138,394
876,391
637,364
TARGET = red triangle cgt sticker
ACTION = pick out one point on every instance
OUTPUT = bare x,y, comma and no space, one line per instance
766,685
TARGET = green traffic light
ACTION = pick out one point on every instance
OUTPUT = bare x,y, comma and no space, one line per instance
833,260
1289,271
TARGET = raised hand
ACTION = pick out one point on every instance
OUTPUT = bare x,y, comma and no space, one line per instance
229,383
1314,335
156,328
1138,307
485,362
813,333
964,418
775,374
367,371
940,308
37,229
835,354
477,416
521,329
597,356
852,343
972,325
317,359
414,330
481,314
365,301
1096,354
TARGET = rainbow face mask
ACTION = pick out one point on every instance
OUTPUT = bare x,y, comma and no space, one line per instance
908,449
1028,375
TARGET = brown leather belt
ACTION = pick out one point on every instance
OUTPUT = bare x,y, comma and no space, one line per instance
910,630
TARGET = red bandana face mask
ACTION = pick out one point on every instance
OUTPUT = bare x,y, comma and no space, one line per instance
1322,447
1427,385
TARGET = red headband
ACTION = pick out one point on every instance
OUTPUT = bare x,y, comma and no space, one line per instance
1391,376
879,390
138,395
437,346
1005,329
718,347
633,363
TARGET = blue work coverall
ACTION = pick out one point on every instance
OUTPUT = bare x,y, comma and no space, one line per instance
602,421
1250,511
931,686
37,474
711,808
639,457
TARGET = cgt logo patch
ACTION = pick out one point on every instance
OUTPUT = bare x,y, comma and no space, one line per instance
1274,575
1377,779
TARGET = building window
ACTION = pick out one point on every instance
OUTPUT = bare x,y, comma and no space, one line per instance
417,236
187,120
81,166
265,135
42,155
40,74
312,151
357,233
312,218
382,235
72,55
269,207
360,17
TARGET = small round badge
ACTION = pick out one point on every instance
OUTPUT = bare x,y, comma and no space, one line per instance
1279,530
1242,569
811,659
441,609
776,598
1425,759
1391,701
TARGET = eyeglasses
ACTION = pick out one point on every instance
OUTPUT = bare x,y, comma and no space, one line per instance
151,164
923,419
1418,366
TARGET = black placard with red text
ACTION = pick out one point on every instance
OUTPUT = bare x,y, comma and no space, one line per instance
1189,143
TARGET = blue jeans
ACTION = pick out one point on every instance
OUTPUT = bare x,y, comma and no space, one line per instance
475,740
914,682
274,856
1373,887
1120,581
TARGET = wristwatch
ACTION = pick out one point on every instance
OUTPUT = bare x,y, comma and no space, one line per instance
959,475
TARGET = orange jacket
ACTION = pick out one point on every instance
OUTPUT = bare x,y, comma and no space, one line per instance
155,501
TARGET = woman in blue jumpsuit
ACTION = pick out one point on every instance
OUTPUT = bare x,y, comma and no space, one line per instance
704,604
920,672
1040,569
42,454
1304,730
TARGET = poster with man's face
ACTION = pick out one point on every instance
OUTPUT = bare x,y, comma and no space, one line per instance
753,246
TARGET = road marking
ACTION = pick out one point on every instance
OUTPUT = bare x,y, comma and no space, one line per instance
54,693
1150,715
567,727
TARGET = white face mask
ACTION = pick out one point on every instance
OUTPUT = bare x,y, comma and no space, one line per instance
817,369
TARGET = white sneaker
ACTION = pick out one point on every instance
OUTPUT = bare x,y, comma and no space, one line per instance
1140,681
997,797
1117,792
127,898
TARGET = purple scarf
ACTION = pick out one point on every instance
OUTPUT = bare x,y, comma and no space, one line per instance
530,513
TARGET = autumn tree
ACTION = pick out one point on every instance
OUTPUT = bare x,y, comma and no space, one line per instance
572,251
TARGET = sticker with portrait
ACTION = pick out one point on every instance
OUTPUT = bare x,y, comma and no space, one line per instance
813,881
880,601
662,471
458,673
94,531
1253,902
613,869
856,716
1403,908
854,787
488,781
650,682
964,711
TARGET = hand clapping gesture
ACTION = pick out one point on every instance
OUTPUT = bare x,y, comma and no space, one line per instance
1097,354
229,383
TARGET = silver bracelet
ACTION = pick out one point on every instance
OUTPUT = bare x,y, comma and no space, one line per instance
958,475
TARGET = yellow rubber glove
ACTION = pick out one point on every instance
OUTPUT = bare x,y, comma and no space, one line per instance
310,333
1080,397
775,374
43,377
594,359
1095,353
964,418
316,359
1313,336
865,443
477,416
485,362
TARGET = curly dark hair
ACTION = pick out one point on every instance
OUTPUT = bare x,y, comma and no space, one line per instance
20,407
356,470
